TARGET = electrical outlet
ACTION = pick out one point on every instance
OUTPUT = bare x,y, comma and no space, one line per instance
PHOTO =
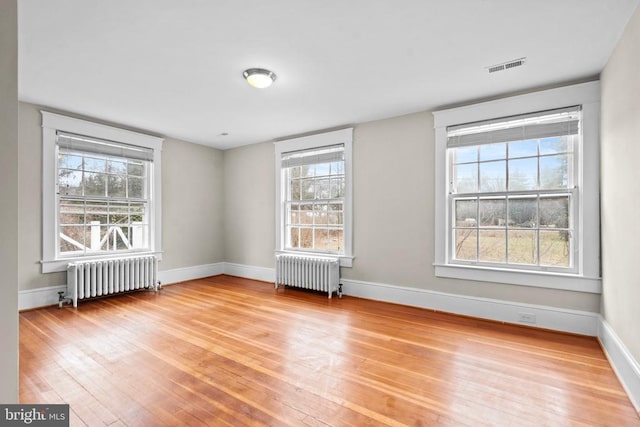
527,318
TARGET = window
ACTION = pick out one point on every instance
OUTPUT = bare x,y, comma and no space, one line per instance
512,191
103,196
314,195
101,191
517,190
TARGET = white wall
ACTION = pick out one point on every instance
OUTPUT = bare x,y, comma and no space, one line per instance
192,196
192,205
249,206
394,197
9,201
620,151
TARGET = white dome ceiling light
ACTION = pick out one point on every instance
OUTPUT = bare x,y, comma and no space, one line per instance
259,77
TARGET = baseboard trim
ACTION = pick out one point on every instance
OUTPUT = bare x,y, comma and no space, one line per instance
625,366
177,275
46,296
558,319
40,297
250,272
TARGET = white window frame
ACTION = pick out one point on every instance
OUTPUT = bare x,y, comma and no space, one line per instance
586,276
51,123
343,136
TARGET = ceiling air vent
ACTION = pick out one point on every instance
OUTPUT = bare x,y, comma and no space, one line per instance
506,65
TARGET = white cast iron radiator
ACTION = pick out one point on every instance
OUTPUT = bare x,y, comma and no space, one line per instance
87,279
316,273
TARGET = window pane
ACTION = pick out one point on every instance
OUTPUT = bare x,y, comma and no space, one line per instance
294,217
335,242
323,188
323,169
492,245
320,214
119,213
96,212
554,248
136,187
307,191
94,184
335,218
554,145
554,212
95,238
466,240
117,167
466,178
69,161
294,189
306,170
522,247
321,239
306,214
117,186
71,212
70,182
93,164
523,174
306,238
523,212
294,237
554,171
337,168
523,148
466,213
135,168
294,172
137,212
73,239
493,176
493,212
139,236
493,151
337,188
465,154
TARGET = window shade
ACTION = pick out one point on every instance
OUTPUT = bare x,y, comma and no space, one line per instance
86,144
333,153
544,124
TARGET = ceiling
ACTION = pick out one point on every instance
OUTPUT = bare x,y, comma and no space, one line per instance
174,67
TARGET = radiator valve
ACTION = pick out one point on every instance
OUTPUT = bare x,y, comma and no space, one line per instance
62,299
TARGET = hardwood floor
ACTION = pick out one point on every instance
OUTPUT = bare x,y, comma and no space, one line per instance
230,351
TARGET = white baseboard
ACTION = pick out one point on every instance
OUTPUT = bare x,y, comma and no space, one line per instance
559,319
626,367
250,272
177,275
40,297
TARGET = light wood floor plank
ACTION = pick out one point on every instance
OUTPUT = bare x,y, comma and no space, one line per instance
231,351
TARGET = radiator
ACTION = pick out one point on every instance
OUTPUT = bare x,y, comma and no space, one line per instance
316,273
88,279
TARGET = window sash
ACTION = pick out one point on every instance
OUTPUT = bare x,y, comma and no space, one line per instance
103,235
475,225
315,156
507,131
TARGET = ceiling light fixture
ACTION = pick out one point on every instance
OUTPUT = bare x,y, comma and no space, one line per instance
259,77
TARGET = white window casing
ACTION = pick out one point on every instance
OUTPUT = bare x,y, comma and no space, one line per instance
61,133
584,272
326,147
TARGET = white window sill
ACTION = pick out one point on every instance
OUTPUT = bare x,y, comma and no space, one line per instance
539,279
345,260
60,264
